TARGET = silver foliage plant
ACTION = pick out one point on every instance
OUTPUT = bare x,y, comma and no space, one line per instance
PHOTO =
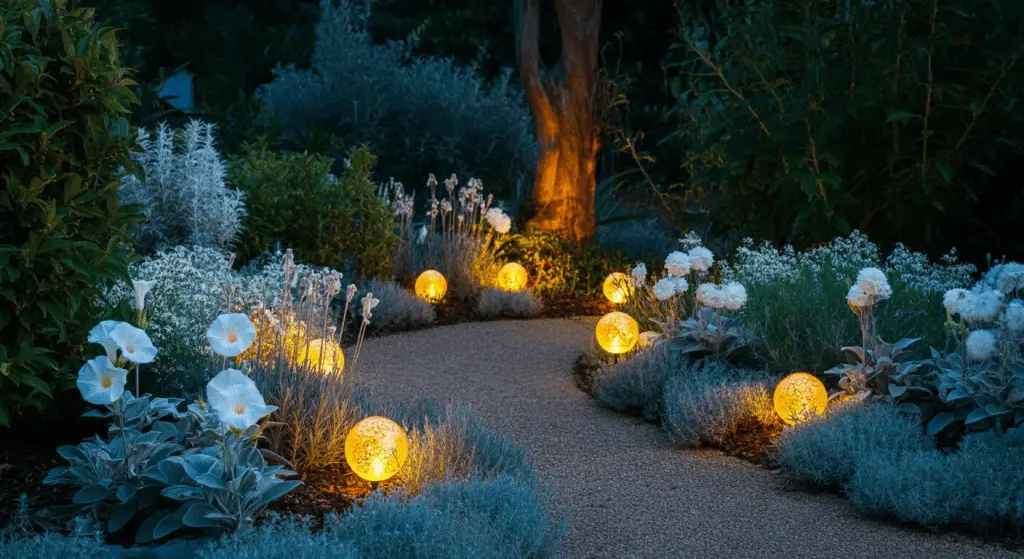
183,193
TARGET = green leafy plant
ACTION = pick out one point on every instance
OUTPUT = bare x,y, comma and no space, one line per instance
64,139
559,270
293,199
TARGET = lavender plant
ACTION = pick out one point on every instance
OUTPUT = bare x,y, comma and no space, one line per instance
183,192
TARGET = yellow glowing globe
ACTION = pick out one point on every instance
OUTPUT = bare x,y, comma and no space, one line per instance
431,286
323,355
512,277
617,332
800,397
617,287
376,448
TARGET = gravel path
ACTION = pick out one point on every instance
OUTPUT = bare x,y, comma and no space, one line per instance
627,492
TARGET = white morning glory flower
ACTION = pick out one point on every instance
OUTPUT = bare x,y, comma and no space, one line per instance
134,343
141,288
236,400
100,382
231,334
100,334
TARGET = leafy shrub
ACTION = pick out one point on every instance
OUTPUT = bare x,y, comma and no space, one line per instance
557,269
399,309
637,384
50,544
62,232
331,221
514,304
891,111
183,190
830,451
980,486
419,114
714,403
495,518
797,300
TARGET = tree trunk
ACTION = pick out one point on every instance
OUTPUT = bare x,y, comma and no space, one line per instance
562,102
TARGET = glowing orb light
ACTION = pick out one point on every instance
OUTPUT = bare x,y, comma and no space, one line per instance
323,355
431,286
376,448
512,277
800,397
617,332
617,287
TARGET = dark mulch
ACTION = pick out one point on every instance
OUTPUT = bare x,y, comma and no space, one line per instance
756,443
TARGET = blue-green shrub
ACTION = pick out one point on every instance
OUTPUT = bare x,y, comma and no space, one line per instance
475,519
420,114
714,403
980,487
636,385
398,309
511,304
830,451
50,544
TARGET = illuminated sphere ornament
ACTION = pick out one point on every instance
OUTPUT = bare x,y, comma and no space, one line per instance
800,397
617,332
431,286
323,355
512,277
618,287
376,448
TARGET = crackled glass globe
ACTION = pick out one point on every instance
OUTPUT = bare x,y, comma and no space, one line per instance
617,332
431,286
617,287
323,355
800,397
376,448
512,277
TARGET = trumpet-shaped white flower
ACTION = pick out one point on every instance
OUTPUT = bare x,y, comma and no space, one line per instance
231,334
734,296
677,264
236,399
639,274
1014,315
710,295
701,259
954,299
665,289
682,286
981,344
100,382
856,297
872,282
100,334
134,343
141,288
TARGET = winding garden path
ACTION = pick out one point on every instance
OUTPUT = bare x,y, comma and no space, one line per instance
627,492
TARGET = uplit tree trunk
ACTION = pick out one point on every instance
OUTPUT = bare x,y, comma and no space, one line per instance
562,101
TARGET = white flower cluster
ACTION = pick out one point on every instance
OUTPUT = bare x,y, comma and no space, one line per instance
499,220
991,309
870,288
730,296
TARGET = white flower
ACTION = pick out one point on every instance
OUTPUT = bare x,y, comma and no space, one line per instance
639,274
421,235
682,286
954,299
981,306
141,288
1014,315
231,334
701,259
665,289
734,295
499,220
872,283
134,343
856,297
100,334
1011,277
350,292
677,264
369,303
710,295
100,382
981,344
236,400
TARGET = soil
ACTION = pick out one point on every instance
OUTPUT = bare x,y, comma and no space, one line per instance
756,443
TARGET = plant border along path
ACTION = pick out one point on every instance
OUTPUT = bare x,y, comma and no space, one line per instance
626,492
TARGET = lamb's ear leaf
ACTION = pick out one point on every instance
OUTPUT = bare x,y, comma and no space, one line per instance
120,516
90,494
197,515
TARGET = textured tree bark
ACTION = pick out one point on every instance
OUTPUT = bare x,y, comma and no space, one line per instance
562,102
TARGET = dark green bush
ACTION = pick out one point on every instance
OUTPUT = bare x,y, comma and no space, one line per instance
559,270
63,138
291,199
802,119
